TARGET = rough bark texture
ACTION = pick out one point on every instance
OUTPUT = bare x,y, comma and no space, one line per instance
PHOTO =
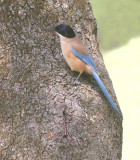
35,87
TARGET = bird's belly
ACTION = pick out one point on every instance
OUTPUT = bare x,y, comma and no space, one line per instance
75,63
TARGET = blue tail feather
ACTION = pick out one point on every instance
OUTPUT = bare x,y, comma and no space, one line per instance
104,90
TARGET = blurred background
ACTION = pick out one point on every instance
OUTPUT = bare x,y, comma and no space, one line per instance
119,38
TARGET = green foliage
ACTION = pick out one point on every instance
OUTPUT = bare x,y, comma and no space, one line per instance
118,21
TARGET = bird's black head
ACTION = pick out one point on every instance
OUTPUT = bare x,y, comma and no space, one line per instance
65,30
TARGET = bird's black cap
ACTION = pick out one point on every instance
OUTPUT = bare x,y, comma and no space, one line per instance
65,30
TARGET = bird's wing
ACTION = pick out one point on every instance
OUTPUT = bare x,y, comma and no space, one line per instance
104,90
86,58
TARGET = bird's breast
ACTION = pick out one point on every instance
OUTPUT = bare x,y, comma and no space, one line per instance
74,62
66,49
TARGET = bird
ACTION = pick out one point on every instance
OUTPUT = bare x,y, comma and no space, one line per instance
78,58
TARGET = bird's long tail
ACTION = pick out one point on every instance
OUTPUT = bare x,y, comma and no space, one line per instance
104,90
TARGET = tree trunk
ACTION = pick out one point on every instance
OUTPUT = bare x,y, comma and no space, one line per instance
42,115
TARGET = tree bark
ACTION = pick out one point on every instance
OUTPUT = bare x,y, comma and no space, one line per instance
38,102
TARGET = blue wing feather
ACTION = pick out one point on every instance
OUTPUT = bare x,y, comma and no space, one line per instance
87,59
104,90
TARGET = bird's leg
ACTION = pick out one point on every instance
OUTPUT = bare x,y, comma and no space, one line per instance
77,77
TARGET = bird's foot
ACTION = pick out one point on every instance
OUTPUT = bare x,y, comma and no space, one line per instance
76,82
